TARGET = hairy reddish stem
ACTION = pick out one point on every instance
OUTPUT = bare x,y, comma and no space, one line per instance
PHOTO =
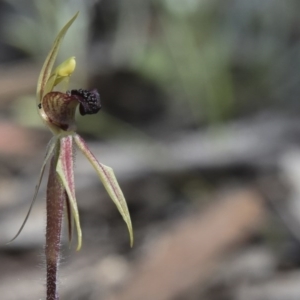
56,197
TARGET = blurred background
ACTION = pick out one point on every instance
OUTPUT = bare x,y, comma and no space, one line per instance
200,123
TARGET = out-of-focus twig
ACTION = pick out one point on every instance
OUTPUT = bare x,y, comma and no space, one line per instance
186,255
276,194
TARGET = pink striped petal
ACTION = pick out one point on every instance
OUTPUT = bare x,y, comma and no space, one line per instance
65,170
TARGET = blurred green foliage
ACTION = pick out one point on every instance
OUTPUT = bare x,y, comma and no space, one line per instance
214,60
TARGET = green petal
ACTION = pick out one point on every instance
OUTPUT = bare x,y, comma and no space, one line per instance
49,152
107,176
65,170
48,64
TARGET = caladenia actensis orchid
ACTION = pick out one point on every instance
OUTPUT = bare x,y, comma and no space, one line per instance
57,109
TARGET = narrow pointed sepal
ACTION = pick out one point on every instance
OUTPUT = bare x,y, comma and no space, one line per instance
110,183
50,149
43,87
65,171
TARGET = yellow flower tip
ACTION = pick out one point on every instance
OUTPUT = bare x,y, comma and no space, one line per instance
66,68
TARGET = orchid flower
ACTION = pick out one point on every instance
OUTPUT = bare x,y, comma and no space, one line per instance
57,110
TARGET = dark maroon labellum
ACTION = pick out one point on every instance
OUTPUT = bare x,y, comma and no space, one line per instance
89,101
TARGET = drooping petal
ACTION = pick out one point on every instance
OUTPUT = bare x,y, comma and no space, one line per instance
49,151
110,183
65,171
48,64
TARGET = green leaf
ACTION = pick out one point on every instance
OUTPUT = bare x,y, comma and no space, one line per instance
48,64
65,170
107,176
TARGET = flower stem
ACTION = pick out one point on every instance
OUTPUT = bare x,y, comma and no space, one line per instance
56,197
